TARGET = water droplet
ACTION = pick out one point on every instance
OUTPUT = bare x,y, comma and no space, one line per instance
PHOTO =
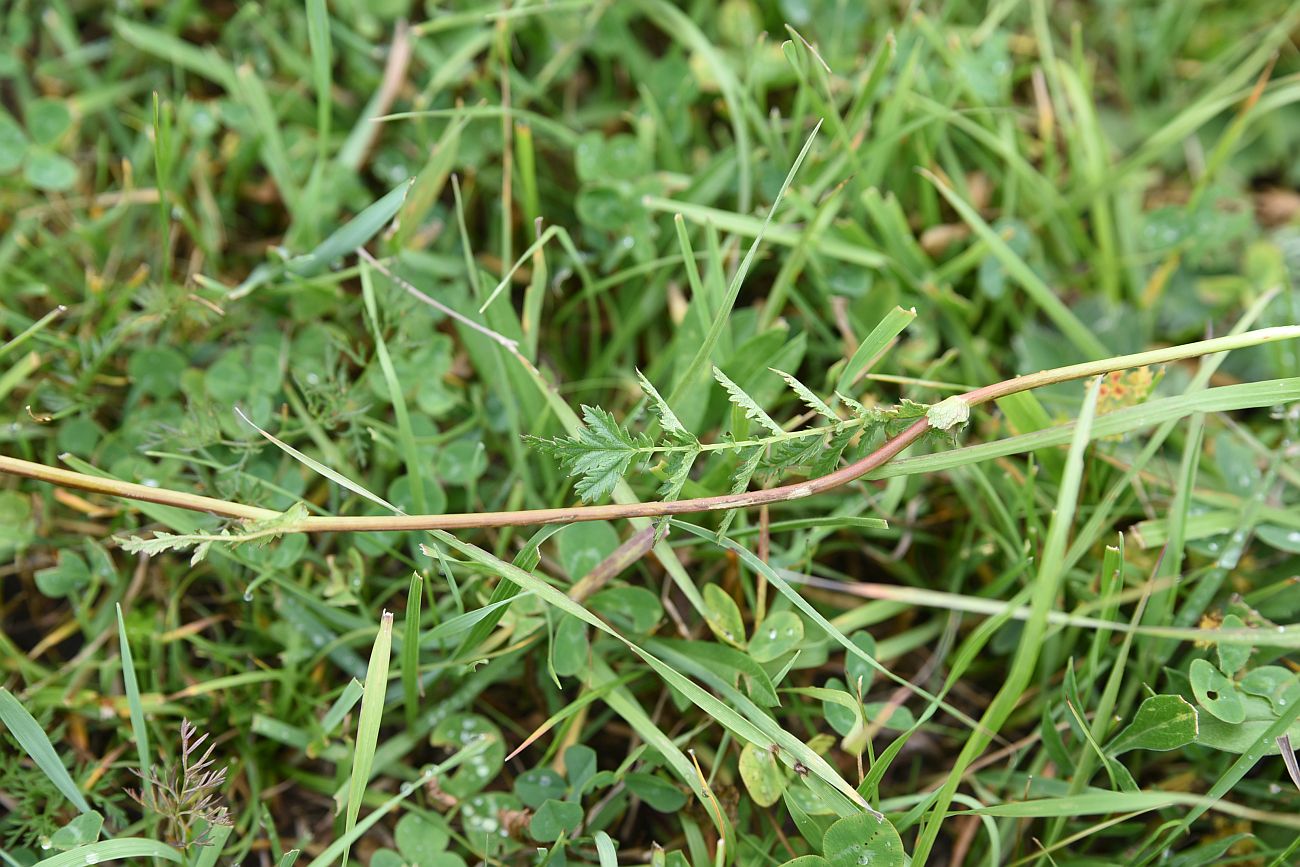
92,858
248,595
407,788
771,635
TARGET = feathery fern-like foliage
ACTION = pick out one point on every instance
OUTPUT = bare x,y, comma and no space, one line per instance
603,452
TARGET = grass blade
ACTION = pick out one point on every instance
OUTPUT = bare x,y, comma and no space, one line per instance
1045,587
1039,292
411,691
372,711
405,433
32,738
112,850
874,346
353,234
138,729
699,364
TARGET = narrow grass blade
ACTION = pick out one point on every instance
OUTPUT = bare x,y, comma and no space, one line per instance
27,731
605,851
405,433
322,59
31,330
1223,399
1039,292
351,235
1045,588
138,729
335,477
1097,803
211,851
793,748
779,234
252,93
372,711
699,364
411,650
112,850
874,346
204,62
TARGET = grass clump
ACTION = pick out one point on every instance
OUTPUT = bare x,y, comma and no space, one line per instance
649,433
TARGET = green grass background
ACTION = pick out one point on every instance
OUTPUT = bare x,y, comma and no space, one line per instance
1044,183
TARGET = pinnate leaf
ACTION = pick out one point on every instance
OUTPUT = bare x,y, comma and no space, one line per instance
599,455
747,404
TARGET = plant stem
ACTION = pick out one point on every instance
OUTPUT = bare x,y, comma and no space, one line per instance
615,511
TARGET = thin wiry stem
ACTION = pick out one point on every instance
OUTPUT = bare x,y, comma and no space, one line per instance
614,511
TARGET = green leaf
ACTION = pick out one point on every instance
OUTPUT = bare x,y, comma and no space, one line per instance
465,730
369,720
1162,722
667,418
32,738
49,171
580,768
863,839
637,606
156,370
764,777
69,576
747,404
47,120
481,817
900,715
419,839
807,861
677,470
13,144
1270,682
462,462
657,792
1215,692
581,547
82,829
16,524
778,634
723,616
1282,538
858,671
599,455
570,648
534,787
1232,656
806,394
554,819
1241,737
